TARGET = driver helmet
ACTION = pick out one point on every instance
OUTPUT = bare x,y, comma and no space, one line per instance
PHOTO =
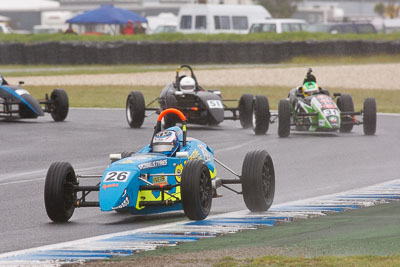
187,85
310,88
166,142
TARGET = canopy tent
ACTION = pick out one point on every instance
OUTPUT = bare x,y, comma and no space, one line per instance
107,14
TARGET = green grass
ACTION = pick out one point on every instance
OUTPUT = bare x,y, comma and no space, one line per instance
180,37
324,261
115,96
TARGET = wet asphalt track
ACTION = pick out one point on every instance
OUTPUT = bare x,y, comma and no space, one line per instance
306,165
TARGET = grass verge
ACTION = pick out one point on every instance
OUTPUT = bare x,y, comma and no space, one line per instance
180,37
364,237
115,96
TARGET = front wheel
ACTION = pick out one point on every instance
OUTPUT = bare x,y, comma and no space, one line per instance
196,190
369,119
261,114
345,104
284,118
60,105
59,193
135,109
246,110
258,180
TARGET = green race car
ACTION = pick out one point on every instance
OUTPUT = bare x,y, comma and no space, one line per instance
311,108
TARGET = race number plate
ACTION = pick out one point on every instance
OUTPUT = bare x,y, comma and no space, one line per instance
117,176
215,104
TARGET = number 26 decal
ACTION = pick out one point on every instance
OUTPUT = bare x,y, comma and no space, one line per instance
116,176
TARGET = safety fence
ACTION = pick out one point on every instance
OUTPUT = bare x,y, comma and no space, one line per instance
184,52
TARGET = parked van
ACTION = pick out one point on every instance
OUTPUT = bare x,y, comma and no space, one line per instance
278,25
207,18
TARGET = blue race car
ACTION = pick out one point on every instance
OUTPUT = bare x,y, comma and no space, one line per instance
173,172
18,103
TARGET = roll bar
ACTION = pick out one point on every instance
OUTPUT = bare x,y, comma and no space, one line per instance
177,80
175,111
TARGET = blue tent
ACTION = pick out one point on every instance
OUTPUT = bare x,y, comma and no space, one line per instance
106,14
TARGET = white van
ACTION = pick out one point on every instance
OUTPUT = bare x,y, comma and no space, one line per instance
207,18
278,25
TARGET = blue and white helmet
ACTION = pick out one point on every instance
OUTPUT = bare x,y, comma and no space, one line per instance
166,142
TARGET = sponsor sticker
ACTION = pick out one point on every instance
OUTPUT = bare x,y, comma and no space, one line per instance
159,180
153,164
105,186
206,154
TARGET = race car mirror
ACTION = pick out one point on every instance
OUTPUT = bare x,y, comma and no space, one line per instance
184,154
116,156
178,93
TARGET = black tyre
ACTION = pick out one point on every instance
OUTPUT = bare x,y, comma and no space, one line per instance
261,114
135,109
345,104
59,193
246,110
284,118
369,119
60,105
196,190
258,180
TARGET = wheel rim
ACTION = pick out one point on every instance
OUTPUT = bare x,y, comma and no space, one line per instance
205,191
129,110
69,194
253,117
266,180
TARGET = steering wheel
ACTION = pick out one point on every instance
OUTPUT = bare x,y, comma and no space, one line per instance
157,128
177,78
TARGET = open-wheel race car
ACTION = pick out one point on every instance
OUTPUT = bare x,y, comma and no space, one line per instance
203,107
173,172
18,103
310,108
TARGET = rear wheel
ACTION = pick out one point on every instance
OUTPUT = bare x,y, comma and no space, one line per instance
246,110
369,119
258,180
60,105
345,104
261,114
196,190
284,118
59,193
135,109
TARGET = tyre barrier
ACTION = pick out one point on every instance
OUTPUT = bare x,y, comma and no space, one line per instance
71,53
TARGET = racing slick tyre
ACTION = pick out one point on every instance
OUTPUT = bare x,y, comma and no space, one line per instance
284,118
60,105
196,190
345,104
59,193
246,110
261,114
369,118
135,109
258,180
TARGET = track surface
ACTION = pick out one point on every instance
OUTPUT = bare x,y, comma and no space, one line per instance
306,165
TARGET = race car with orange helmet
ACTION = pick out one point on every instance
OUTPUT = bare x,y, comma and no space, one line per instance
173,172
200,106
311,108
